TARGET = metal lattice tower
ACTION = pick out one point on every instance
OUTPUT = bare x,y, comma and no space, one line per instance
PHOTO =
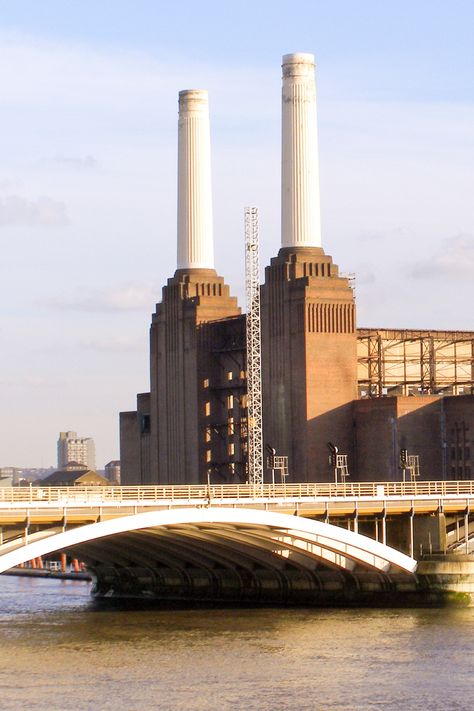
254,351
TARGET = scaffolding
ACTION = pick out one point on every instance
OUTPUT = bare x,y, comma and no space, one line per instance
254,355
415,362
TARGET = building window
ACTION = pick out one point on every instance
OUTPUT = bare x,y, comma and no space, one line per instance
208,455
207,409
207,435
205,383
145,424
230,449
230,375
230,402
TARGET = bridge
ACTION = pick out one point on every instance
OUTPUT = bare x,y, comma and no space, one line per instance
284,543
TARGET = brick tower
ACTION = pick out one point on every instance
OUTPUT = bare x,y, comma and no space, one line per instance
194,296
168,439
308,310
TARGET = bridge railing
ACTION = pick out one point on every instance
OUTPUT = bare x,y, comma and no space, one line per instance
203,492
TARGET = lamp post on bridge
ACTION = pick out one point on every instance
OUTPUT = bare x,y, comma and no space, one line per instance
403,463
338,462
410,463
271,452
278,463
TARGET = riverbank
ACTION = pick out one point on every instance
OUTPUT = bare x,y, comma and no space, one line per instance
44,573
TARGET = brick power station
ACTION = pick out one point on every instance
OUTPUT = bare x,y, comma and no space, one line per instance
373,393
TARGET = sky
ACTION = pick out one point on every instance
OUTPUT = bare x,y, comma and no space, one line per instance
88,139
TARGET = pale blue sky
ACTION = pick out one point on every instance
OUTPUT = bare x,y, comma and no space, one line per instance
88,100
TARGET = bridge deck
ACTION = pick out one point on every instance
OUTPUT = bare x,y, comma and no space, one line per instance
80,505
151,527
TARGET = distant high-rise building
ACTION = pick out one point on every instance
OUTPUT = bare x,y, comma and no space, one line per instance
72,448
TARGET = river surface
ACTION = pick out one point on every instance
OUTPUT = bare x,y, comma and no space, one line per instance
60,650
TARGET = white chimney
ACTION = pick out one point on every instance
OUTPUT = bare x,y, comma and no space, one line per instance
300,210
195,235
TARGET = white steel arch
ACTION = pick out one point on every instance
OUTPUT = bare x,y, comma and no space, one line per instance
241,528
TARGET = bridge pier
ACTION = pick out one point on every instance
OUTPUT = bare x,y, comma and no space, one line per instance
449,574
322,587
442,576
441,579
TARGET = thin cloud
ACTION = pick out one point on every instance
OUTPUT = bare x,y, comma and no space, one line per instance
25,382
9,184
129,297
116,344
454,261
80,75
382,234
80,164
44,212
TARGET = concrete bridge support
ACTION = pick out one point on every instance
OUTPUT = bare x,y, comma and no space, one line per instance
441,544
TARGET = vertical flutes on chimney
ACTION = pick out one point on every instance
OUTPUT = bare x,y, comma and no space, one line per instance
300,209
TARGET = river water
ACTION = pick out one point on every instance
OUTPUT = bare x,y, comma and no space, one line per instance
61,650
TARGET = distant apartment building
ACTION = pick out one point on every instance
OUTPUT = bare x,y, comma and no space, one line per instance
7,475
72,448
10,476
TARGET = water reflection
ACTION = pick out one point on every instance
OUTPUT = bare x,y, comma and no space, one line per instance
61,650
